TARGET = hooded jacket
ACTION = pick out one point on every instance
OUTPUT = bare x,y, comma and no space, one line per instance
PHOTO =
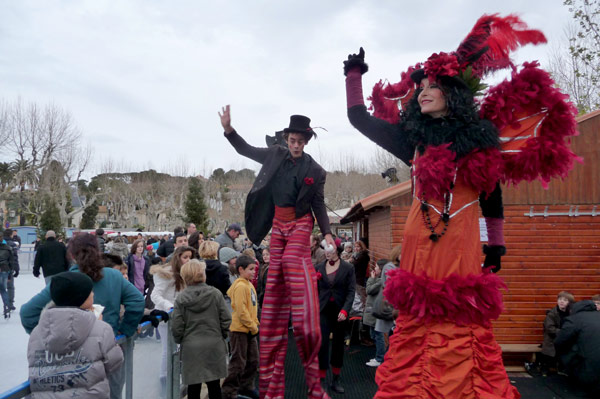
578,343
245,307
200,323
70,353
164,293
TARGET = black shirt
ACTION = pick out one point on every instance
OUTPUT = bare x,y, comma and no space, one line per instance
288,180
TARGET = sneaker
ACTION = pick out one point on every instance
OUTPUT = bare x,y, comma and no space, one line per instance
373,363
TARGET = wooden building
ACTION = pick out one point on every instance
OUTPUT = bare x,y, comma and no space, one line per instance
552,237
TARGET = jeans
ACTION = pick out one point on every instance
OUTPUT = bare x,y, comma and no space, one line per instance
4,288
380,348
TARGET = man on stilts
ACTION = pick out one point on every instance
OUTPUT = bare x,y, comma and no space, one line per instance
288,190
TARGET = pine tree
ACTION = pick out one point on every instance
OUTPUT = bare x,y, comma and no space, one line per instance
88,220
50,219
195,207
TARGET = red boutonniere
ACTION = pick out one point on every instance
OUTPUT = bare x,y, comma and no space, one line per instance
319,276
309,181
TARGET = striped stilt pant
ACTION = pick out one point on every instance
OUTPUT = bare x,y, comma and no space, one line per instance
291,287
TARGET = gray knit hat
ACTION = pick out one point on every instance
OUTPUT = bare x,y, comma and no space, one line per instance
226,254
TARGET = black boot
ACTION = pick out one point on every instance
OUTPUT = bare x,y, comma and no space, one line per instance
335,385
6,312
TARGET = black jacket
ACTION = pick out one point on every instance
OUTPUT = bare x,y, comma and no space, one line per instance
51,256
260,208
7,258
130,262
578,343
342,289
217,275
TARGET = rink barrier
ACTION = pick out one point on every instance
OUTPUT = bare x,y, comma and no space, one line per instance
23,390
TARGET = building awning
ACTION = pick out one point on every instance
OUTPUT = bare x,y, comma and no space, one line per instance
374,201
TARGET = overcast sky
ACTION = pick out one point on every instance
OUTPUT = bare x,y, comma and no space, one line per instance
144,79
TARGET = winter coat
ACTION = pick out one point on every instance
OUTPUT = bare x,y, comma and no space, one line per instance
578,343
200,323
130,262
217,275
361,264
70,354
260,209
552,325
51,257
164,293
343,287
225,240
373,288
384,326
111,291
120,249
245,307
7,258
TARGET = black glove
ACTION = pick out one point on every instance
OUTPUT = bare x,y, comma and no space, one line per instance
493,254
15,274
152,319
164,315
36,273
355,60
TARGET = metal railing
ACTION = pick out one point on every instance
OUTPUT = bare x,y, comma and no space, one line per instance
23,390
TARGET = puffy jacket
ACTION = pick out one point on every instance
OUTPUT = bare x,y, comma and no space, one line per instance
245,306
70,354
164,293
7,258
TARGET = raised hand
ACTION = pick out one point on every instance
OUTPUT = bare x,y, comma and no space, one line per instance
356,60
225,116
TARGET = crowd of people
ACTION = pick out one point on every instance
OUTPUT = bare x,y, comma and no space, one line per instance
216,294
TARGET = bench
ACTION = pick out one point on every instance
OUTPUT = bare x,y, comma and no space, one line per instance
530,349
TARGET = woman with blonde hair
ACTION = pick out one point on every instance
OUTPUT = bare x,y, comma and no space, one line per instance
200,324
217,274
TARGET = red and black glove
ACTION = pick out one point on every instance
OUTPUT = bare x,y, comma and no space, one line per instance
356,60
493,253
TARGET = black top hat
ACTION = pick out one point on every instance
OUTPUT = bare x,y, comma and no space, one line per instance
299,124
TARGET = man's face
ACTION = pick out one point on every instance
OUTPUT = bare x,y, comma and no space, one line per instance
191,229
234,234
296,143
179,241
562,303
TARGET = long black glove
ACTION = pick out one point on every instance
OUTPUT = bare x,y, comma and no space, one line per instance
164,315
152,319
493,253
355,60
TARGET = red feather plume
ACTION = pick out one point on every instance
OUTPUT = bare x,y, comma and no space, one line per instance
487,47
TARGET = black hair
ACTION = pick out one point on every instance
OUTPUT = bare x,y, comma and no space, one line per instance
462,127
177,230
307,135
244,261
176,236
112,260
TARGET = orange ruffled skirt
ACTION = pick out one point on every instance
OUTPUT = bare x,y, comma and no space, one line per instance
443,345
